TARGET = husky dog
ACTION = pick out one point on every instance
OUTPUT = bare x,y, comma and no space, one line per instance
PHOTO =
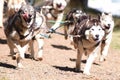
108,23
22,27
91,34
54,10
73,17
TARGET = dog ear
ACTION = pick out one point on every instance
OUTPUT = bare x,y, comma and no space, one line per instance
103,13
107,13
99,17
110,14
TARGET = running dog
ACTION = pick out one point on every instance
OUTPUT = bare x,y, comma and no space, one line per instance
54,10
22,27
108,23
91,34
73,17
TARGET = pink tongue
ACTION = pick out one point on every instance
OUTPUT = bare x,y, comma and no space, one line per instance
25,15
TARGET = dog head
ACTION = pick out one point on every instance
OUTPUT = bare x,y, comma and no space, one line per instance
59,4
107,21
93,30
27,14
76,15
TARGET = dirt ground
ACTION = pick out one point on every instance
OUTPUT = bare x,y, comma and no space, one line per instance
58,63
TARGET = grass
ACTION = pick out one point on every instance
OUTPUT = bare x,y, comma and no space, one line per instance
115,44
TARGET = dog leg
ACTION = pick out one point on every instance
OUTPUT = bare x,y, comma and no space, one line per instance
11,46
65,32
22,50
57,23
18,58
89,63
31,46
104,49
40,48
20,55
78,61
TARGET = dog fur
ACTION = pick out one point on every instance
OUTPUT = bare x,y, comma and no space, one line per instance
92,33
54,10
22,27
108,23
73,17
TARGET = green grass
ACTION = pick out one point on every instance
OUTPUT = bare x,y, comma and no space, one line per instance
115,44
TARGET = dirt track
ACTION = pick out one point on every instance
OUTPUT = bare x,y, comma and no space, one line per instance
58,63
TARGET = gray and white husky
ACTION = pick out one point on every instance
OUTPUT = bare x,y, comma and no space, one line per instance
22,27
108,24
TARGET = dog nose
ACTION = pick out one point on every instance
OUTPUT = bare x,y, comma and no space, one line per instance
30,15
108,25
59,5
97,36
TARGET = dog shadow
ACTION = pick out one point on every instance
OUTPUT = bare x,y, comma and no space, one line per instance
6,65
61,47
3,41
64,68
67,69
84,61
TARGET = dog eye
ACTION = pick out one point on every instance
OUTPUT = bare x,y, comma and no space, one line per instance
99,29
25,10
32,11
92,29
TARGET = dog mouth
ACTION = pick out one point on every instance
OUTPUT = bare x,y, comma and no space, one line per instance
107,27
27,17
60,6
96,38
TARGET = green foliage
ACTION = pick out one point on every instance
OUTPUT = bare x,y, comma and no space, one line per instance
115,44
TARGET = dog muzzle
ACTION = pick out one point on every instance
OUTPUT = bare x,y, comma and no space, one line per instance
27,17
